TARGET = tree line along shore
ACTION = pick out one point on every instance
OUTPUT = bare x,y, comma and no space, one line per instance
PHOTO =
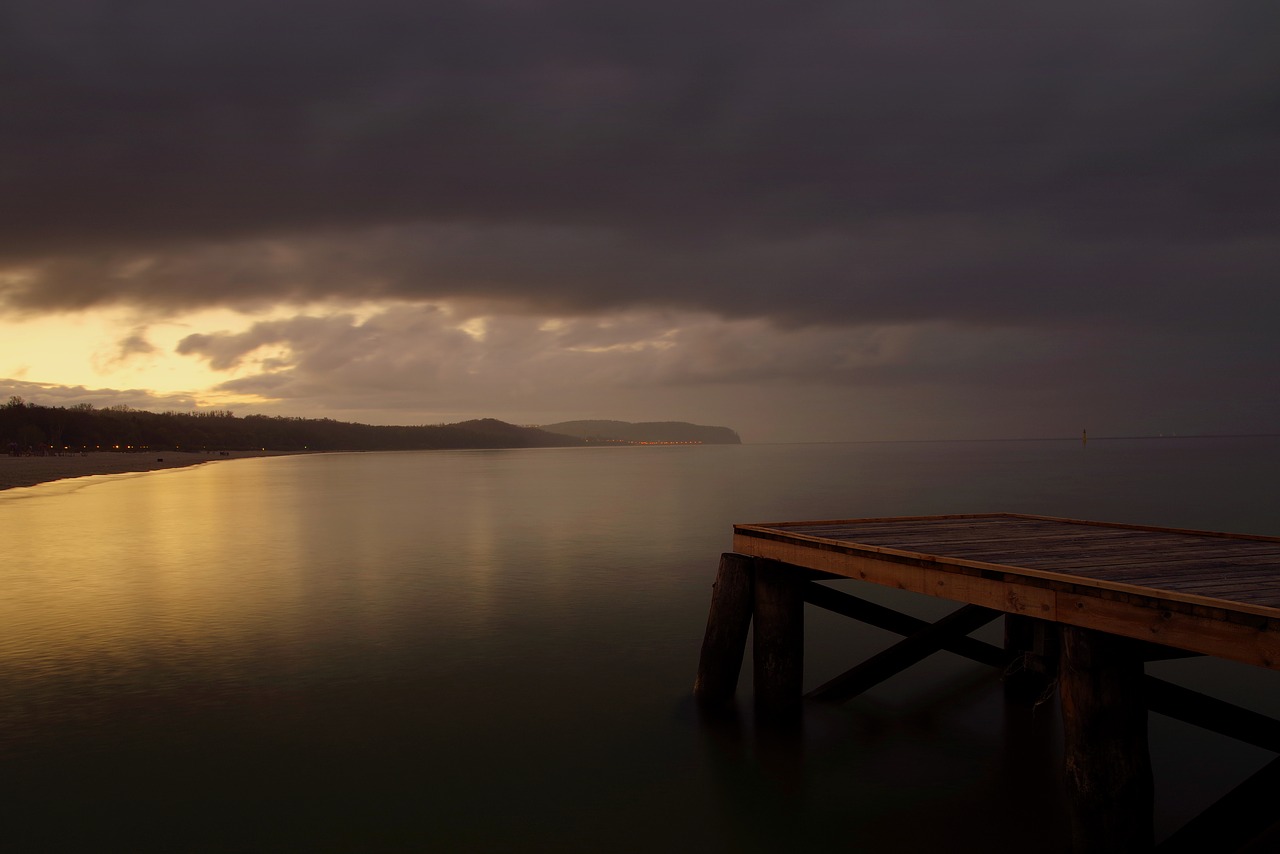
32,430
28,429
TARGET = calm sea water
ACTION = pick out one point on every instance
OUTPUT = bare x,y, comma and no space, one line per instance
494,650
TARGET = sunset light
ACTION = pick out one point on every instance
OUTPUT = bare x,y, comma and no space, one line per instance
391,392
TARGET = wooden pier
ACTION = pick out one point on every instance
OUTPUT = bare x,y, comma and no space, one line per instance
1086,604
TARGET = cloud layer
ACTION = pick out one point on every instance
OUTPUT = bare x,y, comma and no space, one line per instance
1019,175
802,159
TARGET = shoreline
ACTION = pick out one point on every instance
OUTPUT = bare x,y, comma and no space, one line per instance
33,471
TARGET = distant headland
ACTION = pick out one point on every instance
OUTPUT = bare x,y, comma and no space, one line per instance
645,433
29,430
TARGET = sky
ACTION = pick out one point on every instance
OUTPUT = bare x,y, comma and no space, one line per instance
808,221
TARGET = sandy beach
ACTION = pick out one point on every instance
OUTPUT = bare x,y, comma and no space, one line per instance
29,471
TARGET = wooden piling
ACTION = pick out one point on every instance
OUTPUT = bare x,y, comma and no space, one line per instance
725,641
1108,777
778,647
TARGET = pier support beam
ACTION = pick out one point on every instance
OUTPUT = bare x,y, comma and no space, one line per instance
900,656
725,641
1108,779
778,647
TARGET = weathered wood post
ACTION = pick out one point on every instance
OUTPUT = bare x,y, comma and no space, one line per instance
725,641
1107,762
778,647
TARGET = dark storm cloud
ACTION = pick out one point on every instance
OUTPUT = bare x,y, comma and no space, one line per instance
805,161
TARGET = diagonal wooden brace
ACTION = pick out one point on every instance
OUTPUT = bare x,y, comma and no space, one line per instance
900,656
839,602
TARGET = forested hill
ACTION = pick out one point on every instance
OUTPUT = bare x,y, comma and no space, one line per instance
646,432
26,427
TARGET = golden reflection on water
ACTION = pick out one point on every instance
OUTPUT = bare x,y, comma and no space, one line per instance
113,565
261,557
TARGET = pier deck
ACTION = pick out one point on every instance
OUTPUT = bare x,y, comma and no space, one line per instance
1205,592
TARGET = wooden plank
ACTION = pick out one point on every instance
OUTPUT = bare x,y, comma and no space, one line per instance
918,575
1018,540
959,536
1252,599
1043,536
1242,592
1188,573
893,519
1060,553
857,564
902,655
1147,561
1236,575
1208,635
1210,612
1093,523
794,549
1019,518
1081,559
